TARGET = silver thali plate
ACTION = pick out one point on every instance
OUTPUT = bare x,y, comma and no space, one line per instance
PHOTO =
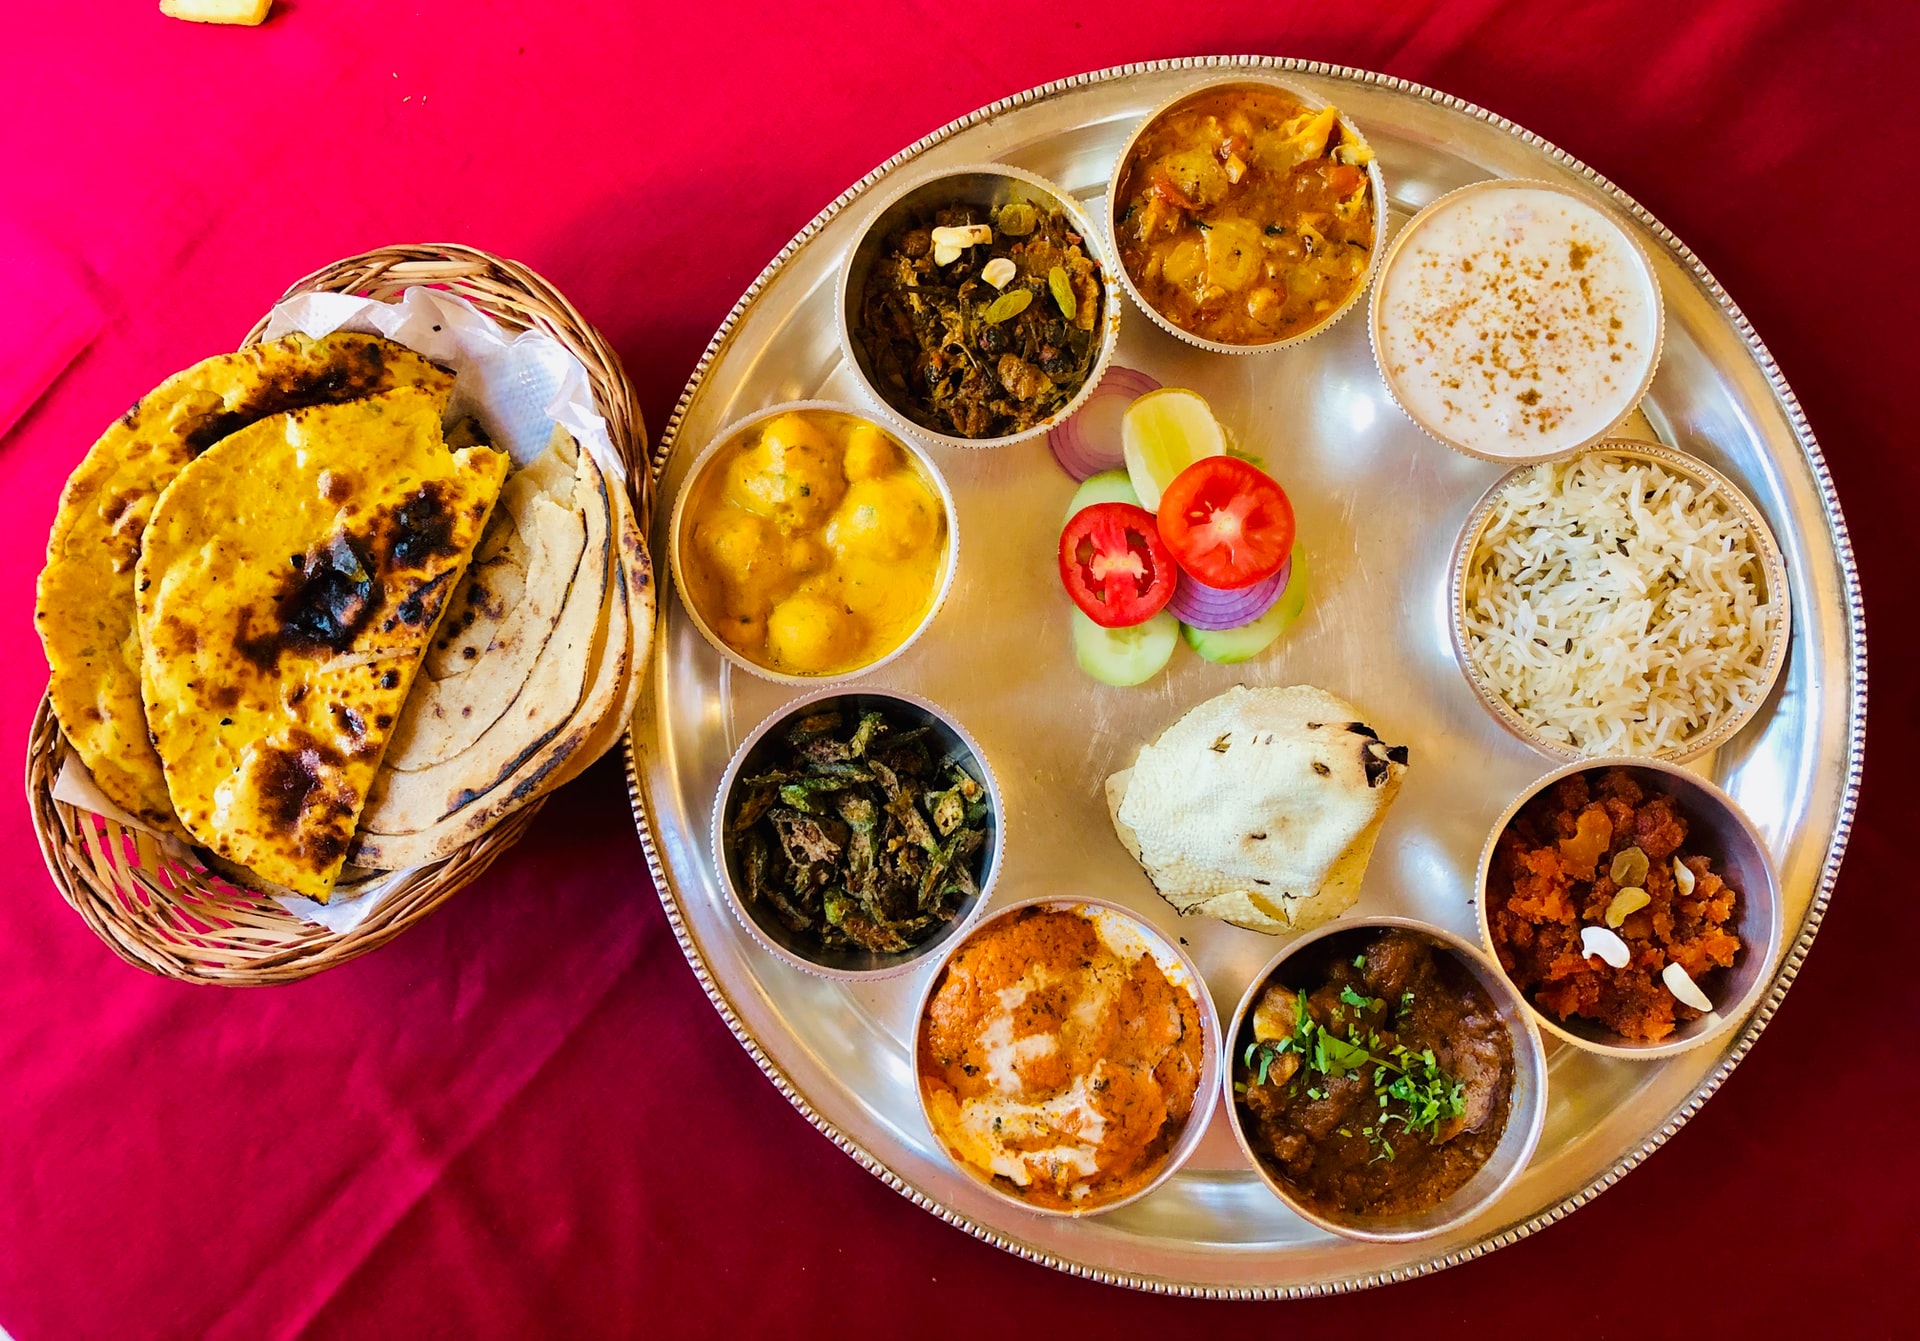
1380,505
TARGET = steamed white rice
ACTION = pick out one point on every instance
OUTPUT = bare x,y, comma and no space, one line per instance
1617,607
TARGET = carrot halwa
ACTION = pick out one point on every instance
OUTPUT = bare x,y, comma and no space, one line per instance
1607,853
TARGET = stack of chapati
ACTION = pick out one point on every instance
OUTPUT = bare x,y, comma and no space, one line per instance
266,635
1259,807
534,672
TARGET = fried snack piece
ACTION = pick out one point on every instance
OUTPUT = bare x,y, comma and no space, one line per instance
84,607
248,12
290,581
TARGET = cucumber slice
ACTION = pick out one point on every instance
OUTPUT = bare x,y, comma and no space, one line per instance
1228,646
1126,656
1109,486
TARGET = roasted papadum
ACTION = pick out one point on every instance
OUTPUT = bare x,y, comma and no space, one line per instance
85,609
1260,807
290,580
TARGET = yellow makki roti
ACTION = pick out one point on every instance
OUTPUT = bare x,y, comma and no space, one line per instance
290,580
84,606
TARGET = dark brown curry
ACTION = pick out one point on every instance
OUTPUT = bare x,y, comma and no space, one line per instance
1244,217
1375,1077
982,323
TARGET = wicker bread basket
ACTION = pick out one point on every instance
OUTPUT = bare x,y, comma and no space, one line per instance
182,921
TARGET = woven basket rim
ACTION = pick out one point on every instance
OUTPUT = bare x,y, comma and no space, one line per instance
179,923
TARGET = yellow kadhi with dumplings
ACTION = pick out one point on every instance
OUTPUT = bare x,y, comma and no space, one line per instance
813,545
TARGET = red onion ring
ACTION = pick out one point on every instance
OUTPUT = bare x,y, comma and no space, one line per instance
1089,441
1211,609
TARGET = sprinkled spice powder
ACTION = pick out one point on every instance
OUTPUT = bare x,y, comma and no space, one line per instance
1517,322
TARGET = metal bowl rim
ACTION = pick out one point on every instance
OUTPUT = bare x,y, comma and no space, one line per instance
726,438
1520,1022
1381,217
1605,211
954,933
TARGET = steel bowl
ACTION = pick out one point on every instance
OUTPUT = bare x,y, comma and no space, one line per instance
1774,589
1717,828
1526,1113
986,185
1180,970
1310,102
696,476
773,935
1413,229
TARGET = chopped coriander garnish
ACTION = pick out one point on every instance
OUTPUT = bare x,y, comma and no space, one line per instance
1359,961
1409,1088
1360,999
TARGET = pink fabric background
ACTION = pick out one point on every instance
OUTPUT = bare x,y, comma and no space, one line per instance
523,1119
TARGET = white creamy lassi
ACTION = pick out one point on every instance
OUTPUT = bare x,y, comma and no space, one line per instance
1516,321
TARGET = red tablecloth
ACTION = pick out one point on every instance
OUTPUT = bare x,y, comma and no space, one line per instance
523,1118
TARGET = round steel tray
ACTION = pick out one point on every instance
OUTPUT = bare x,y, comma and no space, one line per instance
1380,504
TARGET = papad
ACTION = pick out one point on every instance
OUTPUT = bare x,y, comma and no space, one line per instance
1260,806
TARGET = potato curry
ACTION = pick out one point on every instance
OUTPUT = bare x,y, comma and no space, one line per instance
1245,217
814,545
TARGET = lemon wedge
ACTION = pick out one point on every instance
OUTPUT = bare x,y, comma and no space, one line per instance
1163,433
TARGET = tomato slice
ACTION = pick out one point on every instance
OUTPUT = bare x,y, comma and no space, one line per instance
1226,522
1113,564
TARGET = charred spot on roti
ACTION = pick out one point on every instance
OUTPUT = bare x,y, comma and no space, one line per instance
182,635
389,679
324,604
300,790
350,720
422,527
359,371
1322,769
424,603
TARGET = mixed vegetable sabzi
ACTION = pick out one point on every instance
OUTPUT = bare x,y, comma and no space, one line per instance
861,836
979,323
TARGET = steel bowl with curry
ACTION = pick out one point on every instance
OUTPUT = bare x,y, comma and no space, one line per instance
1246,218
810,544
